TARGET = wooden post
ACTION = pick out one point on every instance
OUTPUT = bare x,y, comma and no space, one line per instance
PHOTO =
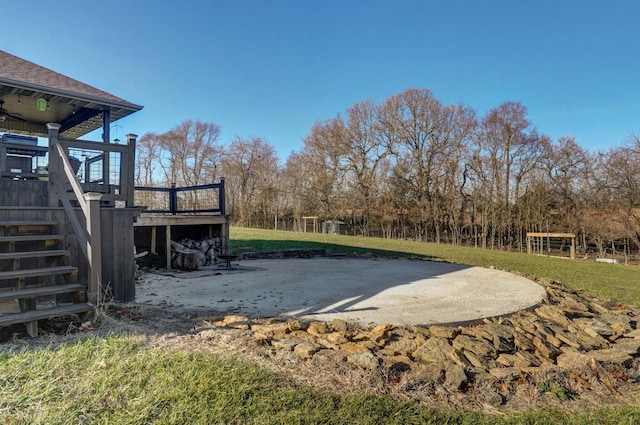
168,243
173,199
106,134
55,166
94,247
221,197
127,172
573,248
3,158
224,231
153,239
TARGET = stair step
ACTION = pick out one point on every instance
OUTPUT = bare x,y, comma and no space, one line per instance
29,238
45,271
45,313
13,223
40,291
34,254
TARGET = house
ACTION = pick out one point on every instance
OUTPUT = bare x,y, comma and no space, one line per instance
67,233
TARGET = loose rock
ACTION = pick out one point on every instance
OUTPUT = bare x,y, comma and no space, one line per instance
444,331
454,376
305,350
365,360
435,350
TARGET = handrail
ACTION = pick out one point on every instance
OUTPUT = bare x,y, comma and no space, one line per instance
84,238
70,177
89,145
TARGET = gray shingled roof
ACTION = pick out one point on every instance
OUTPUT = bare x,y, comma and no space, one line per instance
18,70
22,82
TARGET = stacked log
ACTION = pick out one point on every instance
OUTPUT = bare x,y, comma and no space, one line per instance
189,254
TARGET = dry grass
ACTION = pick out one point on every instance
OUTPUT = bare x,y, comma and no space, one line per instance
128,362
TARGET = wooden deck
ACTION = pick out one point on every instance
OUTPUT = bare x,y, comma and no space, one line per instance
63,199
178,220
122,228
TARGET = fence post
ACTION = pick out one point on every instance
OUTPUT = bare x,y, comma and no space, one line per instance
128,178
55,167
221,197
173,199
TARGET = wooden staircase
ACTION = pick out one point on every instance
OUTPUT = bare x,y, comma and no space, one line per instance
35,281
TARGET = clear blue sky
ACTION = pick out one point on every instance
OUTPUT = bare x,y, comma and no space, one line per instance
273,68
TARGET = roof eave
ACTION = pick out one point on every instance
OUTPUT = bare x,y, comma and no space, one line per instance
66,93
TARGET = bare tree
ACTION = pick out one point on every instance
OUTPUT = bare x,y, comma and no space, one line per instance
251,168
362,153
509,148
295,193
425,137
186,155
621,172
192,152
567,167
324,173
147,159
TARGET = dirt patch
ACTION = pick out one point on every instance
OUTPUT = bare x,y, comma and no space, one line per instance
364,290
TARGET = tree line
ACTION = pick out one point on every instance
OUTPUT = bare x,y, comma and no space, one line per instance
412,167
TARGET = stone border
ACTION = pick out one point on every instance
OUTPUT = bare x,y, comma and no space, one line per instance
586,344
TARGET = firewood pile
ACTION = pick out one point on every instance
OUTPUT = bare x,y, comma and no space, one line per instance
189,254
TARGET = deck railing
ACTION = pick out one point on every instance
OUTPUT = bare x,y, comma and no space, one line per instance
199,199
106,168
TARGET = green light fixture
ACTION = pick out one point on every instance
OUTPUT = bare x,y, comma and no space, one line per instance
41,104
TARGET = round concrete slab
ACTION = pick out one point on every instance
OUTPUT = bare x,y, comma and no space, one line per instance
369,291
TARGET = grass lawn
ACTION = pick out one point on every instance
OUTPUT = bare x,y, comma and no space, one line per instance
118,379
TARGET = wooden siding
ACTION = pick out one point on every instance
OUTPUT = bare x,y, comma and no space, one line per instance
24,193
118,262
